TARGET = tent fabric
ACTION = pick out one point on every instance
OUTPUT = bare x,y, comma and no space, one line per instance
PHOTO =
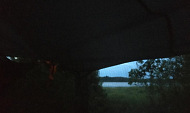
92,34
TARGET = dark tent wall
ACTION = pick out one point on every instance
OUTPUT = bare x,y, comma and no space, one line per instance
89,35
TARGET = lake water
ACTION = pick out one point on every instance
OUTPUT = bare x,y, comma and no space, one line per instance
119,84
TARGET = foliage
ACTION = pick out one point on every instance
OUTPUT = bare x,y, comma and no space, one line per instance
185,81
97,98
113,79
158,70
127,100
36,93
163,79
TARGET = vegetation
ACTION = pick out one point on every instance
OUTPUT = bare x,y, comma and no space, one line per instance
114,79
121,79
167,90
166,81
36,93
127,100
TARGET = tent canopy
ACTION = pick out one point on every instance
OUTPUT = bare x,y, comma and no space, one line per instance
92,34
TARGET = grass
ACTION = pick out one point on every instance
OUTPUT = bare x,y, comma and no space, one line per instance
127,100
139,100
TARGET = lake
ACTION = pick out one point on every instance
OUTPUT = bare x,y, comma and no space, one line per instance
119,84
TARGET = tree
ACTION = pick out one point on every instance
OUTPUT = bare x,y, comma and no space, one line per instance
162,77
35,92
156,71
185,81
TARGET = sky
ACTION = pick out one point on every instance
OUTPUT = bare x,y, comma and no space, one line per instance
118,70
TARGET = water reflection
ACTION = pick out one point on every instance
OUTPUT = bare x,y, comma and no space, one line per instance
119,84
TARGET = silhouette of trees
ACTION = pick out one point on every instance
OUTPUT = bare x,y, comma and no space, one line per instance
166,79
34,92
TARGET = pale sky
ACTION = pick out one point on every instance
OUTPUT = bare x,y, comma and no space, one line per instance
118,70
